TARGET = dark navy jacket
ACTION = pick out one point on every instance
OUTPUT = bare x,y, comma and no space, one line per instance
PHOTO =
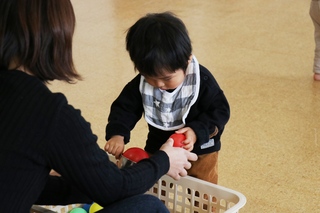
209,113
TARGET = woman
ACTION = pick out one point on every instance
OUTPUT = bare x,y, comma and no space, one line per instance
40,131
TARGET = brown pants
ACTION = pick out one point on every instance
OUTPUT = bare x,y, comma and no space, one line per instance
205,168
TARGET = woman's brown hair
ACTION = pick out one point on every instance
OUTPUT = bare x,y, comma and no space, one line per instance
37,34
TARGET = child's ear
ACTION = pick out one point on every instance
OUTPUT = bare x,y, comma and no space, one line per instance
190,58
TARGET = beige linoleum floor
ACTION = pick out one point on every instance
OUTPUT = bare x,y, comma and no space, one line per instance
261,53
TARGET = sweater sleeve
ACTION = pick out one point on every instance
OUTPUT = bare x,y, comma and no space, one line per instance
75,154
125,111
211,121
213,110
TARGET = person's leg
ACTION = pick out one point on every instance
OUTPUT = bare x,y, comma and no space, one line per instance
315,16
205,168
137,204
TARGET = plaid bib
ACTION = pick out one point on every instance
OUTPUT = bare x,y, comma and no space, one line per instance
168,110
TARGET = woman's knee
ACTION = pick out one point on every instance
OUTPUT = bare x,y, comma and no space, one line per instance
137,204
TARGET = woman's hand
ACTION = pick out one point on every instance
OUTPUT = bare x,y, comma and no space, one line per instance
179,159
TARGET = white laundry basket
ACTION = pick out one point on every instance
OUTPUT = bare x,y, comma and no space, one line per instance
187,195
191,195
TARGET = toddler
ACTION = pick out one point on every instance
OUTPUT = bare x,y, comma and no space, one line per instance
174,93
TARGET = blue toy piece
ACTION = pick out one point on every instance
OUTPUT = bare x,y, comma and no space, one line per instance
87,207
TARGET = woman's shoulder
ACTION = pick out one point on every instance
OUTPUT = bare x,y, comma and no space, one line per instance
29,89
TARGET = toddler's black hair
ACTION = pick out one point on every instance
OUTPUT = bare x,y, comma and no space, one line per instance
157,43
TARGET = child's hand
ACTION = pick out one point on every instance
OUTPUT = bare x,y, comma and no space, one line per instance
191,137
115,146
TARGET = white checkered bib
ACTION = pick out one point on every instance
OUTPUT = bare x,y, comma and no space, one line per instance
168,110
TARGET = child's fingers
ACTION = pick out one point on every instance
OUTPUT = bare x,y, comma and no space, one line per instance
188,147
118,155
181,131
106,147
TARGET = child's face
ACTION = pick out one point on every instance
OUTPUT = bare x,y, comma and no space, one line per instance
167,81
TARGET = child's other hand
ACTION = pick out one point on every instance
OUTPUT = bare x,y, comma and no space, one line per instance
115,146
191,137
